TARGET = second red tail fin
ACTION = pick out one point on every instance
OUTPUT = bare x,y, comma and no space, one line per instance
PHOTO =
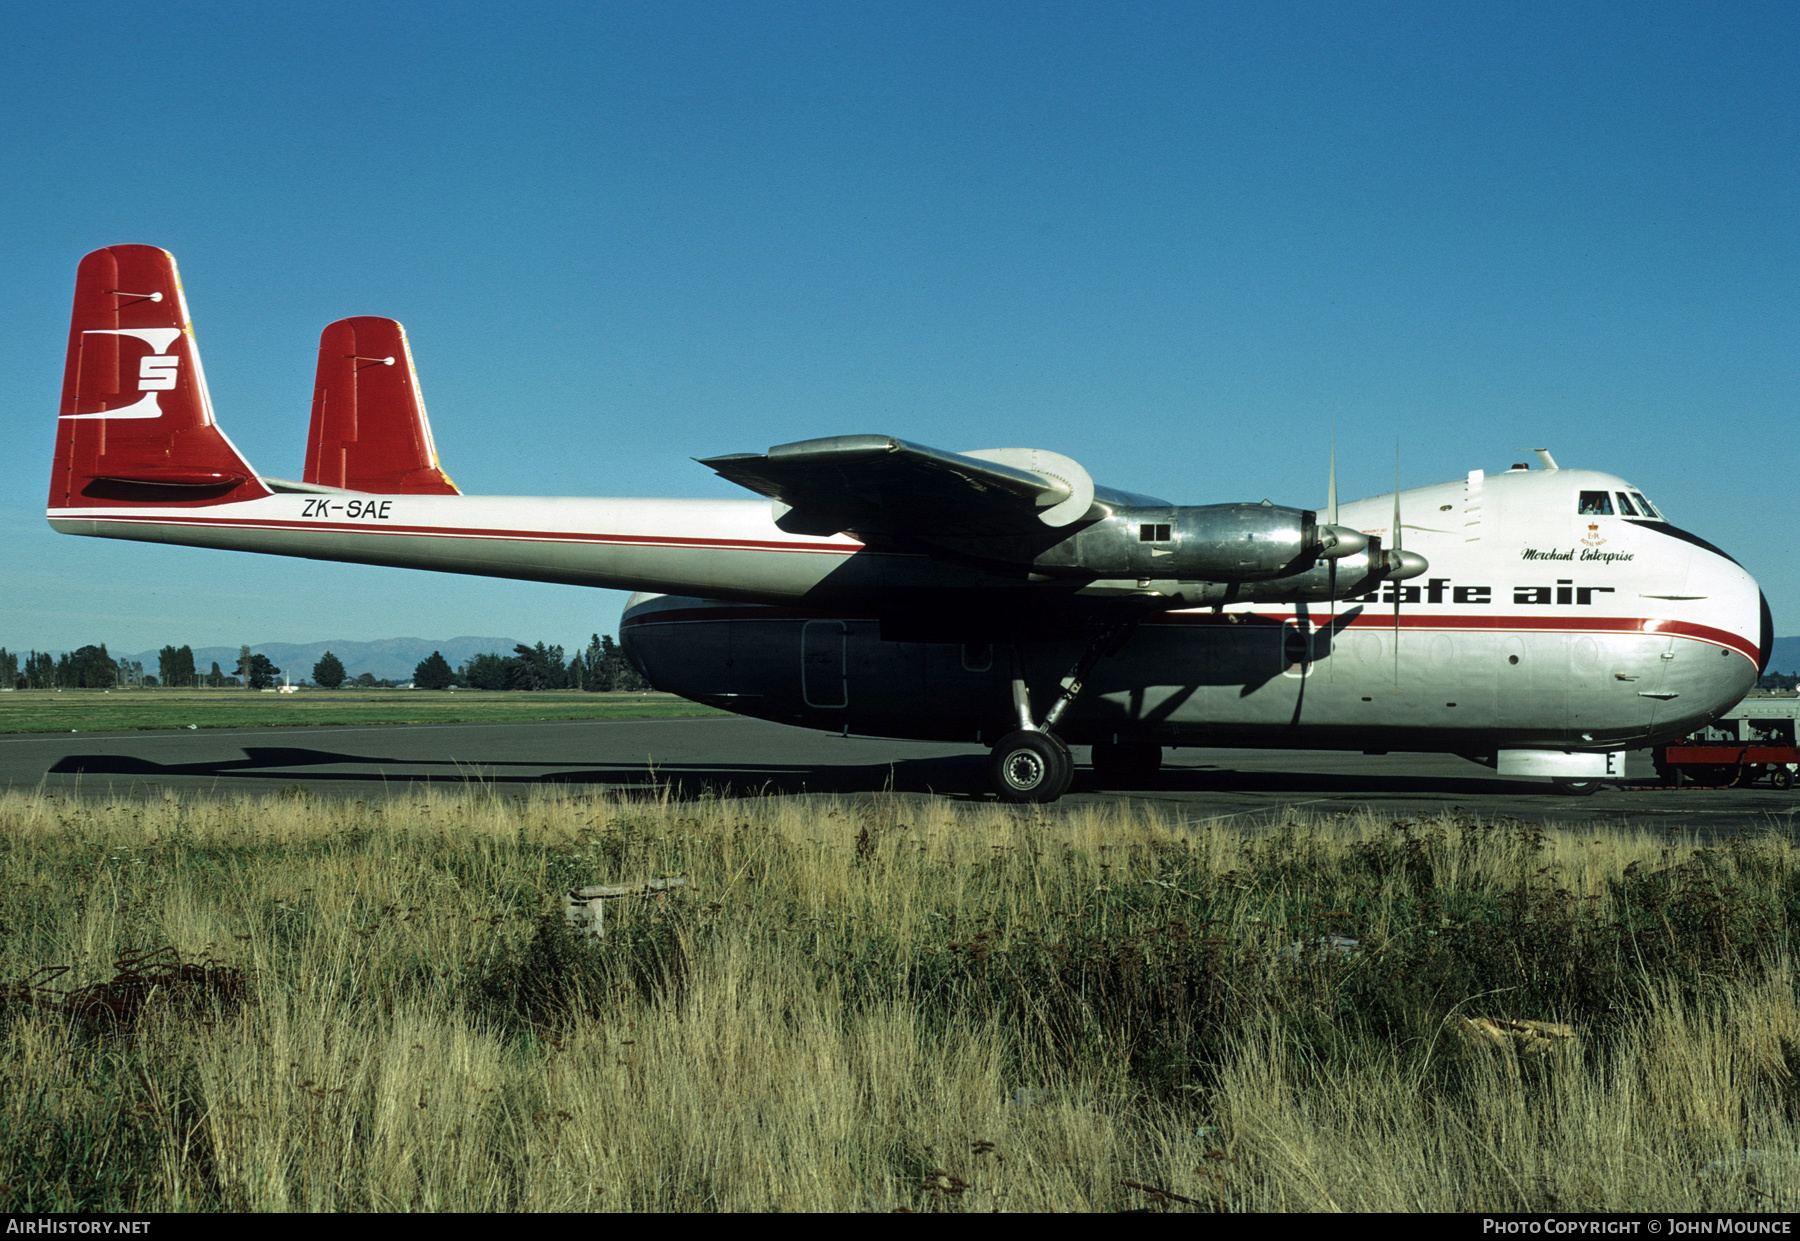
369,431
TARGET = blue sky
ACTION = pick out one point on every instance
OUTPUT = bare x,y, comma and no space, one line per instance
1175,242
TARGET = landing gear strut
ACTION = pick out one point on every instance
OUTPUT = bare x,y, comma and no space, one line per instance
1031,764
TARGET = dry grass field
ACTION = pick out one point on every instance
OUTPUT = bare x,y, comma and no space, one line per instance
882,1004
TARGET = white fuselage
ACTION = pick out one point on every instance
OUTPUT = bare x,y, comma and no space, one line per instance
1536,624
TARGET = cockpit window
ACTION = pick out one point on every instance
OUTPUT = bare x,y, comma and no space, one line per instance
1644,505
1625,509
1596,502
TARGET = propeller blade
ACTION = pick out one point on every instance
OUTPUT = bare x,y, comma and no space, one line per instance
1399,590
1331,519
1336,540
1331,617
1397,543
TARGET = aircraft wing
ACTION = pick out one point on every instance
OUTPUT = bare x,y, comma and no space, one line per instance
881,485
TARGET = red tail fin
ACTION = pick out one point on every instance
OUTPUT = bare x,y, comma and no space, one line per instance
136,424
369,431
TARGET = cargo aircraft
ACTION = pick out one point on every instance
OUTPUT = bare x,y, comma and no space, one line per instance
1543,621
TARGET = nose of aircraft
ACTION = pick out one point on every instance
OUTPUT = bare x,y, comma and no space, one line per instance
1766,646
1736,632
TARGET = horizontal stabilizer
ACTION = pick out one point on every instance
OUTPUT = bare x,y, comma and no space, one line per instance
136,424
369,431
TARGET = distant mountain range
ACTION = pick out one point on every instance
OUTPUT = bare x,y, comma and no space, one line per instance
390,659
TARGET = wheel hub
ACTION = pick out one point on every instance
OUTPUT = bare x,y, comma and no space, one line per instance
1025,770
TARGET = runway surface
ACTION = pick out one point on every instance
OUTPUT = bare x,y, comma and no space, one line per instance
736,757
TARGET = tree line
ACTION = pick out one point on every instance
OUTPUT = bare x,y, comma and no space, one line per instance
90,667
600,666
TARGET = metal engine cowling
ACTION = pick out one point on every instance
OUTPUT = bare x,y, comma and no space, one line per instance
1208,542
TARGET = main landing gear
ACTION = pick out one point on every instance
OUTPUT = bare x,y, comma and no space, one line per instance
1030,766
1031,763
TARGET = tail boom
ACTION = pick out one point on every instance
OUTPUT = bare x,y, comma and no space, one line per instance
625,544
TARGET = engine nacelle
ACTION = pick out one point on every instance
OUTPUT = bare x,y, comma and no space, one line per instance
1208,542
1355,574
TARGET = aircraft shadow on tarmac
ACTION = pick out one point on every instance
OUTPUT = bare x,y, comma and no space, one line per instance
964,775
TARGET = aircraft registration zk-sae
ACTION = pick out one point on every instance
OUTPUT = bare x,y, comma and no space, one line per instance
1543,621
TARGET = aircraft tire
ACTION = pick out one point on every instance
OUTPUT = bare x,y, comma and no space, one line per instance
1577,788
1030,767
1125,766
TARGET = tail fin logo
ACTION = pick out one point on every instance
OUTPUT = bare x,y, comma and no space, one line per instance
157,371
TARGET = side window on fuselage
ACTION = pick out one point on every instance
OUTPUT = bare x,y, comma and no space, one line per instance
1596,503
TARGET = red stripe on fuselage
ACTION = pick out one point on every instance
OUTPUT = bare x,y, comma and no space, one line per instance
1506,623
462,532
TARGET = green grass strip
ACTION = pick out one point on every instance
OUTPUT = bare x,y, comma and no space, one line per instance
50,711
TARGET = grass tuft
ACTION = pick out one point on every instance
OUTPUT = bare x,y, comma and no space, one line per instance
883,1004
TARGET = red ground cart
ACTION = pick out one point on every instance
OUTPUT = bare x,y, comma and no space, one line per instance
1751,743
